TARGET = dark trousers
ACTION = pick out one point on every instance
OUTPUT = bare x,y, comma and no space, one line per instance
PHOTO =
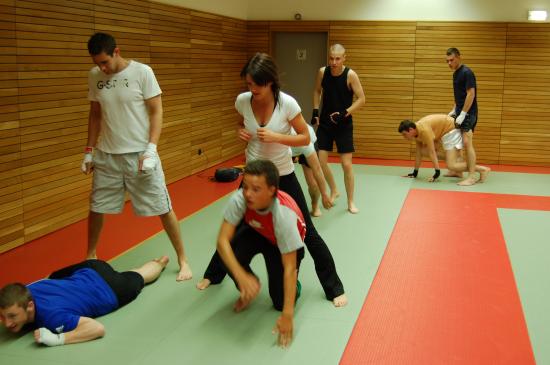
246,244
322,258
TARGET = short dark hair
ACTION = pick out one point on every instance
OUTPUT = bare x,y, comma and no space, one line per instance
405,125
453,51
15,293
101,42
263,168
263,69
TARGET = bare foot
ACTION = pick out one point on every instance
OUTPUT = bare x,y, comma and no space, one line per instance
483,174
467,182
203,284
340,301
185,272
163,261
333,196
316,212
239,305
352,208
453,174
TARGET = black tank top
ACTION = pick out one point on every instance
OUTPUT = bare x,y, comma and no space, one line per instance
336,94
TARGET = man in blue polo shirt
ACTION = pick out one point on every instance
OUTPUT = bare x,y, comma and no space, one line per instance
62,308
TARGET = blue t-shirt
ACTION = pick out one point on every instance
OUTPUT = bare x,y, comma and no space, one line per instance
61,302
464,79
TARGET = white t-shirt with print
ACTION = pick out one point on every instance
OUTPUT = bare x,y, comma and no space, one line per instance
280,154
125,120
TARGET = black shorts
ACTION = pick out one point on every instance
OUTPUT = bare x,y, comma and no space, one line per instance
342,134
302,160
126,285
469,123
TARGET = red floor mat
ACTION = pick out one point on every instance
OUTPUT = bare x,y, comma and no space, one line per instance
445,292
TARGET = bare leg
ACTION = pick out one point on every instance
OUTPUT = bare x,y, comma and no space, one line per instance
483,173
314,192
323,159
468,139
452,173
95,225
172,228
455,163
349,180
151,270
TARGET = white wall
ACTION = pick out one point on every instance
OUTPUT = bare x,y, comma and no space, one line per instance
455,10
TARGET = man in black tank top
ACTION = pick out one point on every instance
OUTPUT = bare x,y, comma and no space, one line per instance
465,110
336,85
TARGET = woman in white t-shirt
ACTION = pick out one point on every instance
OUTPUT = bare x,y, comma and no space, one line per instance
269,115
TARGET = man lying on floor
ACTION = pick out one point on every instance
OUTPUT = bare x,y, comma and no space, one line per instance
61,308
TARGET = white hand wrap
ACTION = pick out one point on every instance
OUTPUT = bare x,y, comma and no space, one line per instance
88,158
49,338
150,157
452,113
461,117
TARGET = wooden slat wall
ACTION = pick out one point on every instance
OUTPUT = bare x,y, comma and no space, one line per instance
525,132
44,65
483,49
170,46
382,54
403,71
11,198
234,52
51,68
197,58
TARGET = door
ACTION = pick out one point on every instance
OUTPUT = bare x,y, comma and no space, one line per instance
299,57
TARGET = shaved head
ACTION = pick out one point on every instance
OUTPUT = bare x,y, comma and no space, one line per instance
337,49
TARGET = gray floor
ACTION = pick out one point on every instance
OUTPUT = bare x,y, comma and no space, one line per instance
174,322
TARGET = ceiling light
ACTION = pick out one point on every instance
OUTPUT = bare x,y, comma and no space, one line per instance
537,15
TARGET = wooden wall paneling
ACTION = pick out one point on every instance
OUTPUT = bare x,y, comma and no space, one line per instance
197,58
257,37
299,26
52,67
234,35
483,49
170,57
382,54
11,197
525,137
128,22
206,89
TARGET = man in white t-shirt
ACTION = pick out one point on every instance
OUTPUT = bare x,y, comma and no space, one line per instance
124,127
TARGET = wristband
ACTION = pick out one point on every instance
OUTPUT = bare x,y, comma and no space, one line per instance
437,173
88,149
314,116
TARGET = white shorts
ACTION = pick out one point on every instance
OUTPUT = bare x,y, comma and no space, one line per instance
451,140
115,174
